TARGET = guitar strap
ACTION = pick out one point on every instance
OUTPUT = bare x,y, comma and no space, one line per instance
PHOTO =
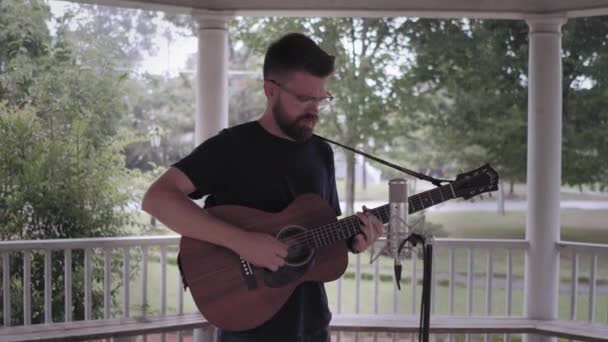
436,182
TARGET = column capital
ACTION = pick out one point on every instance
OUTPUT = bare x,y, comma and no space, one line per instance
551,23
212,20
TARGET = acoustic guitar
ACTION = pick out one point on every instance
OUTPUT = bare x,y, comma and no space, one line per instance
236,295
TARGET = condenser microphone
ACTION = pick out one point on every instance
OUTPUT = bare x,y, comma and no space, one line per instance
398,229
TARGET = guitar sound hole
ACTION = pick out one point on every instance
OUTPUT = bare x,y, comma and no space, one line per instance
298,252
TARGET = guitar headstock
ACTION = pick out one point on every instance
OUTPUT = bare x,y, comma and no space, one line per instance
475,182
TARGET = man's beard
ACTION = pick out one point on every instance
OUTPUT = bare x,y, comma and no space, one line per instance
293,129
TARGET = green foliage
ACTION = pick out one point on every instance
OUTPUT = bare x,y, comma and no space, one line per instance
471,72
474,76
162,106
58,188
62,164
585,116
23,38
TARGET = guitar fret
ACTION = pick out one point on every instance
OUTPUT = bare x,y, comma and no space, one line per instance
350,226
318,243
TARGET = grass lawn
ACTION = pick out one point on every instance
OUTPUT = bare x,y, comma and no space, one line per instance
576,224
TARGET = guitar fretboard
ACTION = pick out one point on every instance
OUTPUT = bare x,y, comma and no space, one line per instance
345,228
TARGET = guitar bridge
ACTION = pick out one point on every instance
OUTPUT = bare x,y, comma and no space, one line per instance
248,275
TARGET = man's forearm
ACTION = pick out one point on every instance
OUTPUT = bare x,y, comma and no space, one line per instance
182,215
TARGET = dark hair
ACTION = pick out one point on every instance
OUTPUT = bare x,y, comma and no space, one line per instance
297,52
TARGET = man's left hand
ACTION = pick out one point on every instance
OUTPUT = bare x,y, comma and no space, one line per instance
371,230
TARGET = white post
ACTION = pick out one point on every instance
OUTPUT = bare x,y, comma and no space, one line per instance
544,168
212,90
212,74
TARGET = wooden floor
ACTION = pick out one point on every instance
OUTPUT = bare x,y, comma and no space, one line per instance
345,328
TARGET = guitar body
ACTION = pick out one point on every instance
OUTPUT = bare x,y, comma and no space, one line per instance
234,295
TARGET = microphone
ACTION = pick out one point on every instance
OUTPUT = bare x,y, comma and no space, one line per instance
398,228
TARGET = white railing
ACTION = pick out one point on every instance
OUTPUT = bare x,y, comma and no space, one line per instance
473,269
575,252
108,248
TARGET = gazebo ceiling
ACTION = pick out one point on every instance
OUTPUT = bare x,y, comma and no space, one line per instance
505,9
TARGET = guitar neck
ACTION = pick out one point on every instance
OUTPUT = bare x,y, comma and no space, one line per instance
348,227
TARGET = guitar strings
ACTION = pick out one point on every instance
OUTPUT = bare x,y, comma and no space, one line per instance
328,232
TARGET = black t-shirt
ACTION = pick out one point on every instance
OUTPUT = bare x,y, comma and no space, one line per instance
246,165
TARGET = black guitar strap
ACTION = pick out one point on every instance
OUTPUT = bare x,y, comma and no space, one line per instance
434,181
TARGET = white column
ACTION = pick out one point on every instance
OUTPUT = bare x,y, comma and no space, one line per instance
212,74
544,167
212,86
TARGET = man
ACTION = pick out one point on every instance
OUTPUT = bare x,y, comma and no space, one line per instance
265,164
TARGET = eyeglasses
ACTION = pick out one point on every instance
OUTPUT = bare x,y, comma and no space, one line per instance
304,100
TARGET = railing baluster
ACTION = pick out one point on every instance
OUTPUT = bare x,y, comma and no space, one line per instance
126,259
144,280
433,283
489,278
107,282
376,286
358,283
451,285
48,302
163,280
574,287
180,295
339,295
592,287
87,285
27,287
67,284
395,298
414,281
470,281
509,283
6,286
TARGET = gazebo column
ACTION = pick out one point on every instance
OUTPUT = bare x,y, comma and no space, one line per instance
212,74
544,168
211,91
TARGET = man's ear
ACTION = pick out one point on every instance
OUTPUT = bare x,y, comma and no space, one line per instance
269,90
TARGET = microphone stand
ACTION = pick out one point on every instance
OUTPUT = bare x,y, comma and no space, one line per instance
425,300
413,238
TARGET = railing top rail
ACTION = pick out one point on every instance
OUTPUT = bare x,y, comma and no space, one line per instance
81,243
479,243
482,243
131,241
583,247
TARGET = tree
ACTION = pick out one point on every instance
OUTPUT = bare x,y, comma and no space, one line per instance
474,73
62,172
473,76
585,86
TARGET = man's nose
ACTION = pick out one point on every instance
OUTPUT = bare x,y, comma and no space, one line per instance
313,107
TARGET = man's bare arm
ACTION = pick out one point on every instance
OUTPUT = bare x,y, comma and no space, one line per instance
167,200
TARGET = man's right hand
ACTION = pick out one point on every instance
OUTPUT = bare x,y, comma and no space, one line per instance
261,249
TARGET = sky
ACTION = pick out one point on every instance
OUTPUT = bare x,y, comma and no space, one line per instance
169,59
